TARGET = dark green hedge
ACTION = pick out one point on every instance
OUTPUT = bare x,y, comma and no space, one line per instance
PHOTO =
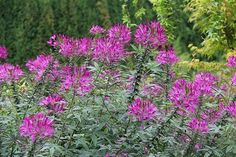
26,25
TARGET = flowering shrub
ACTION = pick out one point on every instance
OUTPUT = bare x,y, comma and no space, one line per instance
115,94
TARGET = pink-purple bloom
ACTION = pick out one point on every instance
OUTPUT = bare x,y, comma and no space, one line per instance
231,109
197,146
224,87
3,52
205,82
67,47
150,34
142,110
77,78
199,126
231,61
42,63
53,40
54,102
167,57
37,126
107,155
83,46
185,96
120,33
95,29
211,115
108,50
10,73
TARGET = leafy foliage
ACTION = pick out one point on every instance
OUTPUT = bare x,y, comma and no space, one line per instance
115,95
216,20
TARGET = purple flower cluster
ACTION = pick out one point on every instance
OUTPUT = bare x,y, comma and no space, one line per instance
150,34
184,96
83,46
95,29
199,126
10,73
108,48
77,78
108,51
231,109
3,52
211,115
142,109
54,102
37,126
120,33
167,57
231,61
41,64
69,47
205,82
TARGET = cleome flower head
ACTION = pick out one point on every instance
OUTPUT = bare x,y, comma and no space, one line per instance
69,47
231,109
83,46
54,103
211,115
41,64
142,110
10,73
185,96
120,33
108,50
205,82
95,29
200,126
3,52
150,34
231,61
77,78
167,57
37,126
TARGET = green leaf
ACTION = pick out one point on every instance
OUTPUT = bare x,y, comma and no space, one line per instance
94,139
83,142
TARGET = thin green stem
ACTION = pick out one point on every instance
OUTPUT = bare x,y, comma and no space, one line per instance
31,151
15,94
103,101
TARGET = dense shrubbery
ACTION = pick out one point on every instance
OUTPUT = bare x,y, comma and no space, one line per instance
115,94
